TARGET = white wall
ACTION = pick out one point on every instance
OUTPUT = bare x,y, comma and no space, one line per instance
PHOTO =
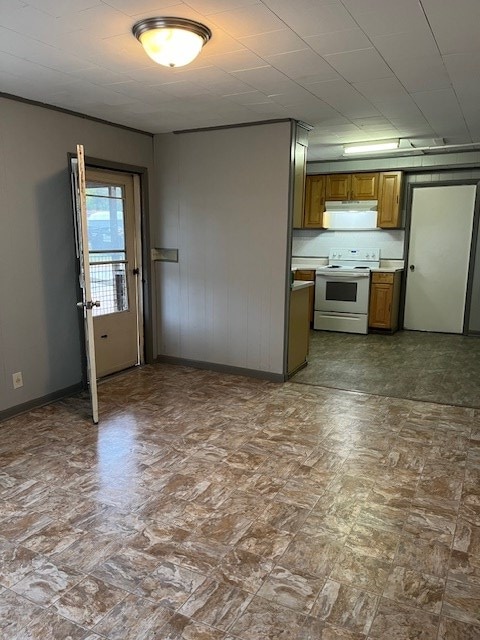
310,243
39,328
223,202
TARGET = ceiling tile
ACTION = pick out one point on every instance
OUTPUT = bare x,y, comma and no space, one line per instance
57,9
339,41
154,7
273,42
298,64
247,21
454,24
312,17
417,42
390,17
344,98
381,89
463,68
236,61
216,6
263,78
356,66
425,74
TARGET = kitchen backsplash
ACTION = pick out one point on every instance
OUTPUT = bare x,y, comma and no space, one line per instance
309,243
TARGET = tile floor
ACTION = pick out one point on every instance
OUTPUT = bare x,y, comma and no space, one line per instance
214,507
416,365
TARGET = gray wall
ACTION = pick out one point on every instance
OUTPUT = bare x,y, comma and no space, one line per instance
39,328
223,201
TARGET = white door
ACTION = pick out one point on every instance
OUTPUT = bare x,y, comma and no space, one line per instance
114,272
439,252
87,304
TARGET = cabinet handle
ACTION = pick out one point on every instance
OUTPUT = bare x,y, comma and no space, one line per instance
397,198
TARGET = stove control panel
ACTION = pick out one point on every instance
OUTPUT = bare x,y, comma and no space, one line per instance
360,255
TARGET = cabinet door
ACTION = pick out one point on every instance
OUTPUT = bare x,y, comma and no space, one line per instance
314,202
389,190
364,186
338,186
380,312
308,274
299,184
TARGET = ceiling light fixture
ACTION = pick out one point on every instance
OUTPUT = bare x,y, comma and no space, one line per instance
173,42
371,147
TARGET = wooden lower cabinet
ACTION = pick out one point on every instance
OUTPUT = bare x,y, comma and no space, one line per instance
384,300
306,275
299,330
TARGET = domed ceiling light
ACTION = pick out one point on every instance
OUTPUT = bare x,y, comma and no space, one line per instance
173,42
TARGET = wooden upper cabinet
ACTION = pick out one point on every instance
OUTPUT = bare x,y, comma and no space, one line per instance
389,191
352,186
338,186
364,186
314,202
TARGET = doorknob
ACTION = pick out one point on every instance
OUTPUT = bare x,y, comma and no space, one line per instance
89,305
412,267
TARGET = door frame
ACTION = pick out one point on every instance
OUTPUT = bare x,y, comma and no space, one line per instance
145,308
456,182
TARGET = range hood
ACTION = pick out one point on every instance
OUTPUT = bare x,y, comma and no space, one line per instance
351,215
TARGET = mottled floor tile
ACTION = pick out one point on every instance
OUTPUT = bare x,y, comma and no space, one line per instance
52,626
432,520
462,601
319,630
361,571
216,604
243,569
314,555
292,589
16,562
395,621
268,621
88,602
182,628
345,606
126,569
423,555
245,485
134,619
370,541
170,585
265,541
15,613
420,590
47,583
283,516
455,630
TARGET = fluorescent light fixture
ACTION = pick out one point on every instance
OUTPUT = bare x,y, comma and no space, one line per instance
371,147
172,42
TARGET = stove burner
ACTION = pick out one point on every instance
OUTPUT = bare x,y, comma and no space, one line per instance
361,267
333,266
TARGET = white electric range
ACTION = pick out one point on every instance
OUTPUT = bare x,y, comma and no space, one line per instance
342,290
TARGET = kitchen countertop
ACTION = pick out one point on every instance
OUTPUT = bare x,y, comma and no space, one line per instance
387,269
389,266
301,284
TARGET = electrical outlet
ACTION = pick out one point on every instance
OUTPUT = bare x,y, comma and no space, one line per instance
17,379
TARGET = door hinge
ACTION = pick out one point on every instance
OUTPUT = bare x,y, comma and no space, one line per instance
136,271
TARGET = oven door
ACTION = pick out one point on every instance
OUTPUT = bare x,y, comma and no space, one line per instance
342,292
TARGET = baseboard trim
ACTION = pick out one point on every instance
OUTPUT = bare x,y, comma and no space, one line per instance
40,402
222,368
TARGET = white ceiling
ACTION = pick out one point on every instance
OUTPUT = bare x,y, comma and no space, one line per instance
357,70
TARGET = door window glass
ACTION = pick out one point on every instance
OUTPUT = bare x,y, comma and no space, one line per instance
106,245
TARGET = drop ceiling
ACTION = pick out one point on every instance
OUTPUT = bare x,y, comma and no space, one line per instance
357,70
